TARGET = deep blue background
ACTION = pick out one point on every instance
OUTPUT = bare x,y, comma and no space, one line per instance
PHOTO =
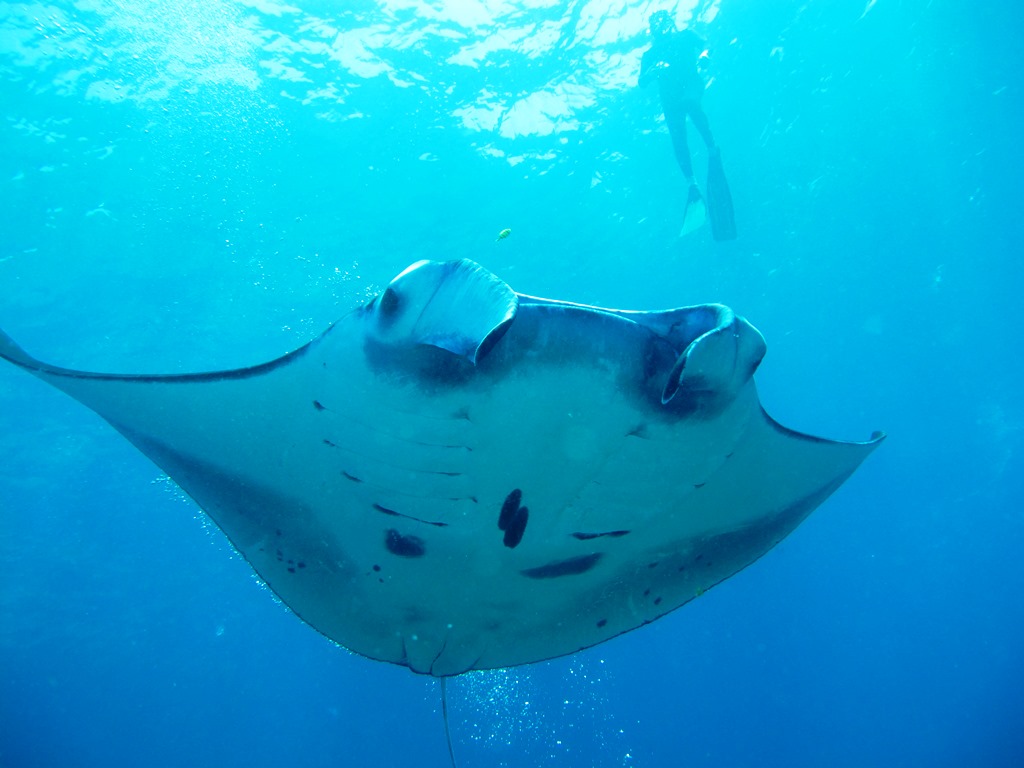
187,185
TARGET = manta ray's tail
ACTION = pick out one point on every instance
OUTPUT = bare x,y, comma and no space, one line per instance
444,713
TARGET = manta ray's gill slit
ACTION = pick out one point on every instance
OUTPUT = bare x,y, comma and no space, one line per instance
406,494
452,452
459,446
572,566
587,536
430,444
424,484
387,511
459,421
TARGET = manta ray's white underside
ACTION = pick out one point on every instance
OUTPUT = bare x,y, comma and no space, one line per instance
460,477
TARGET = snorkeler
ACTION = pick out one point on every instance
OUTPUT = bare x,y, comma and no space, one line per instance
672,61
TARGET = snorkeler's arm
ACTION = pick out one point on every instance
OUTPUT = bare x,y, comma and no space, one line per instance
650,65
693,39
700,48
704,62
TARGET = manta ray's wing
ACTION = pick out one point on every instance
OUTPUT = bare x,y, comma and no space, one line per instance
459,477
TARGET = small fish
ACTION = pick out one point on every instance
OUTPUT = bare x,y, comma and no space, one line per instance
503,234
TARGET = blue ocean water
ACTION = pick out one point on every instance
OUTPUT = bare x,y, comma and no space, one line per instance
195,184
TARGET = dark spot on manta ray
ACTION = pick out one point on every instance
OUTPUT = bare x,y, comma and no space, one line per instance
585,536
291,569
404,546
277,531
601,622
647,592
328,442
301,564
353,478
318,405
652,565
509,509
571,567
512,518
516,529
376,568
657,601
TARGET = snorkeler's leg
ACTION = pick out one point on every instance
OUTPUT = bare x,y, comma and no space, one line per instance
700,122
675,119
719,198
694,211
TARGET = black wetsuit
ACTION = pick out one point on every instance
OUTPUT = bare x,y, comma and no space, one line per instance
681,88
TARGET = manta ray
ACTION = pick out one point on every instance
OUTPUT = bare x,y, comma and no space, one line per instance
459,477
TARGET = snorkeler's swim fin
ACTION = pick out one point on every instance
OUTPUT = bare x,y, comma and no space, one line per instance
723,223
695,213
